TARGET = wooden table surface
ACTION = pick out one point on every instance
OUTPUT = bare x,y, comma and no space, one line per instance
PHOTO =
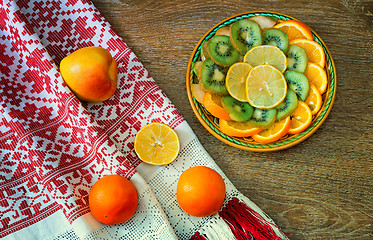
321,188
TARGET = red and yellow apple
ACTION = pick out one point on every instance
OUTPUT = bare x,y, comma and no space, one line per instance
91,73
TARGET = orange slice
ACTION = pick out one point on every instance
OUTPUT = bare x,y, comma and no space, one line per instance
314,99
238,129
157,144
301,118
274,133
265,87
235,80
314,51
295,29
317,76
212,104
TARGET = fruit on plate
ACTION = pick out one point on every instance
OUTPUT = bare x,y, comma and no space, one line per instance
238,111
265,87
317,76
295,29
221,50
157,144
315,53
275,132
301,118
238,129
91,73
213,77
212,103
276,37
288,106
296,59
263,118
245,34
266,54
113,199
273,89
297,82
235,80
200,191
314,99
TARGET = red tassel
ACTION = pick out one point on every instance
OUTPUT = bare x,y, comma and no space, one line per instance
246,223
197,236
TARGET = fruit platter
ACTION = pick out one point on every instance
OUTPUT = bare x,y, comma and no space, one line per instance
261,81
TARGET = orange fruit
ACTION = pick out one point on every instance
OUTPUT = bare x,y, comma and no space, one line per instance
157,144
275,132
113,199
315,53
301,118
200,191
212,103
314,99
238,129
295,29
317,76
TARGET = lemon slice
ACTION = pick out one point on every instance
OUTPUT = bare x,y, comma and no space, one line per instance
266,54
157,144
265,87
235,80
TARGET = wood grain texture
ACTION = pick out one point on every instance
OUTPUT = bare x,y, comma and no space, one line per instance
323,187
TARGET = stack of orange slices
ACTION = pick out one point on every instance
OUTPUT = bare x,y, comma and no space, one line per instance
258,78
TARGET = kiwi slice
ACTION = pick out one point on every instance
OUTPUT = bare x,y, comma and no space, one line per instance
298,83
245,34
296,58
213,77
238,111
276,37
288,105
221,50
263,118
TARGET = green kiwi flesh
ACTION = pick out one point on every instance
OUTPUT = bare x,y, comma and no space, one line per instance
288,105
296,59
213,77
245,34
276,37
263,118
238,111
221,51
298,83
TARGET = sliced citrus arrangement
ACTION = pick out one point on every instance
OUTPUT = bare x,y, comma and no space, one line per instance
315,53
273,88
301,118
212,103
236,80
265,87
266,54
238,129
200,191
157,144
295,29
317,76
274,133
314,99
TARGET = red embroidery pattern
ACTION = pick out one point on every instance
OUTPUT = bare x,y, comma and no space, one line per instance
52,147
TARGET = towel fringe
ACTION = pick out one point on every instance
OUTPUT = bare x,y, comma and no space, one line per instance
245,223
